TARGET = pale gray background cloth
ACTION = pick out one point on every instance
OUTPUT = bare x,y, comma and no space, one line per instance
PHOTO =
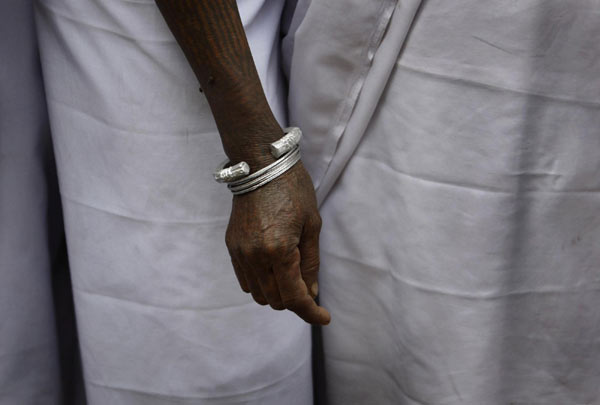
29,356
471,127
161,318
455,146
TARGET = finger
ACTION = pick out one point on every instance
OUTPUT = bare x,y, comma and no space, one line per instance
241,277
294,293
269,288
309,256
255,289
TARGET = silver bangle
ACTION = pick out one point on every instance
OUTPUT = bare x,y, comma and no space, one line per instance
238,171
282,166
238,177
285,144
224,174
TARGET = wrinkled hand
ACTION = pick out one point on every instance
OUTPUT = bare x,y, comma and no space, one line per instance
273,240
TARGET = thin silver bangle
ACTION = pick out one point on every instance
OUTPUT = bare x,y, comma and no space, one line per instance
248,180
283,165
268,178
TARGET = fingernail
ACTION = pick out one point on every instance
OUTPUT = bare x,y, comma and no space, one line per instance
314,289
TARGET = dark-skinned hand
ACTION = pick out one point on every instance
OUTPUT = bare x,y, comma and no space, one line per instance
273,240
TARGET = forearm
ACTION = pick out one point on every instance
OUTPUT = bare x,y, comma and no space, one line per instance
273,233
213,40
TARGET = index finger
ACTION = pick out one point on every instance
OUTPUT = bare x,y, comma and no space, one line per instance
294,293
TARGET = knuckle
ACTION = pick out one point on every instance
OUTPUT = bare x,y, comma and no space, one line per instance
265,247
274,249
278,306
260,300
318,222
250,249
245,251
275,244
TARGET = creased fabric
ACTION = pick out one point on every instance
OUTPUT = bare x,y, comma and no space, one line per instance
29,365
461,206
161,317
29,361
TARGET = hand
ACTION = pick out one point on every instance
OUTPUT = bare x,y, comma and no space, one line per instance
273,240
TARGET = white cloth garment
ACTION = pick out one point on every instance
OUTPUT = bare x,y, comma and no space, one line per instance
456,150
29,367
161,317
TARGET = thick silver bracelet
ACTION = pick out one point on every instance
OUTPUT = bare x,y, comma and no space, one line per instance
238,177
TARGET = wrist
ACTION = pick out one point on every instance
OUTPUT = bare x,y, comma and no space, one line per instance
241,179
254,147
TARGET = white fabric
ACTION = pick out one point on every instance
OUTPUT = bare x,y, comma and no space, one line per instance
161,317
461,205
29,369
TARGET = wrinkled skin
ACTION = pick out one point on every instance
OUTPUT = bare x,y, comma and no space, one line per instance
273,240
273,233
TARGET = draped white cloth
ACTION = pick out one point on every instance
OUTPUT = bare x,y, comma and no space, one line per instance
29,368
161,318
456,150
